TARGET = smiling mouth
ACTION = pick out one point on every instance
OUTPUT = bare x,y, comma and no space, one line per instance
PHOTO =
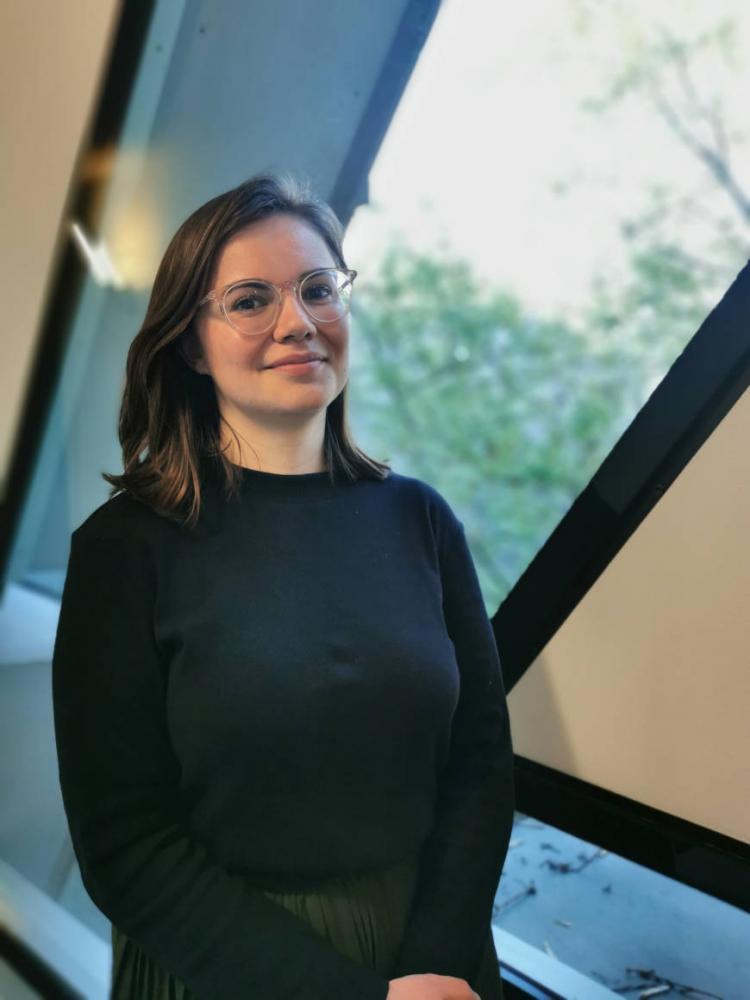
299,364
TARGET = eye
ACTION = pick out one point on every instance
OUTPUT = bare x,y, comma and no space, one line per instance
247,303
248,298
319,288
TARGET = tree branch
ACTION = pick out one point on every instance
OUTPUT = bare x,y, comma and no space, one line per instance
711,159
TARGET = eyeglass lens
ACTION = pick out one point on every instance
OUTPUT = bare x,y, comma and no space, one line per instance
252,306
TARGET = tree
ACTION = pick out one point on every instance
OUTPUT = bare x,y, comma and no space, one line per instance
459,378
673,282
510,413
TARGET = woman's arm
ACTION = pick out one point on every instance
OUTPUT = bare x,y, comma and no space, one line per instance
463,857
120,784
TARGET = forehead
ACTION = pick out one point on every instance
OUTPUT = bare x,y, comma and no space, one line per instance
278,249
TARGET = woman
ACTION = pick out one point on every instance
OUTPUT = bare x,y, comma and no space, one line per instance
284,746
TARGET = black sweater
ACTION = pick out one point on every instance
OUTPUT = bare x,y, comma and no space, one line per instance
305,685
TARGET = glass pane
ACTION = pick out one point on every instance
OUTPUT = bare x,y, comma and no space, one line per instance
563,196
616,922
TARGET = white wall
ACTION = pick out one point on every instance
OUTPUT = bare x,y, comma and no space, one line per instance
645,689
51,59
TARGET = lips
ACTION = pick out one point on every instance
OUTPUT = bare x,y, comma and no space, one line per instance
296,359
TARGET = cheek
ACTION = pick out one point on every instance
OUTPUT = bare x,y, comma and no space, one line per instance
226,354
341,338
340,356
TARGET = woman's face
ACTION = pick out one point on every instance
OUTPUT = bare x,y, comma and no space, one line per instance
277,249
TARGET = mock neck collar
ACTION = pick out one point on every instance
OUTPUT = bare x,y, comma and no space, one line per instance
281,486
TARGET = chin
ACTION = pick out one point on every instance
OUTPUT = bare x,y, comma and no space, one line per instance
307,408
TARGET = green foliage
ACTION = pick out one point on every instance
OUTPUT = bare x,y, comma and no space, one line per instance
510,414
667,290
507,414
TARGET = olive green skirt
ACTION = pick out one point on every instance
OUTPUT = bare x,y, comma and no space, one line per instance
362,916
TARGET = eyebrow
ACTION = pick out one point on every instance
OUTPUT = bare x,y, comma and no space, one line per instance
265,281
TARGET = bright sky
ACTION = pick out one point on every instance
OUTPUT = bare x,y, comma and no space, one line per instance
491,121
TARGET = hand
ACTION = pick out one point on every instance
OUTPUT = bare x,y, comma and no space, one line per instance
430,986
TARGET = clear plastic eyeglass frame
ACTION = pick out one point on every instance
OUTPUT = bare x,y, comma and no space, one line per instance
220,296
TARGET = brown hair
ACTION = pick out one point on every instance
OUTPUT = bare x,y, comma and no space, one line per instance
169,410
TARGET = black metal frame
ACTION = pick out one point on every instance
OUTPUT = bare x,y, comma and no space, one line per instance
69,273
34,971
699,390
697,393
351,186
691,854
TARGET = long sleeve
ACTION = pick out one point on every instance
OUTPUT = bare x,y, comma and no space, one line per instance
463,856
120,780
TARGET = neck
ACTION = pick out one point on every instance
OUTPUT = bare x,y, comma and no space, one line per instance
293,445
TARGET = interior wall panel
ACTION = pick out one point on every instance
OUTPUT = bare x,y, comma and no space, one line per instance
644,689
52,56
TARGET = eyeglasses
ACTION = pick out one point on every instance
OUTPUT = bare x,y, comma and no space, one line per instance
252,306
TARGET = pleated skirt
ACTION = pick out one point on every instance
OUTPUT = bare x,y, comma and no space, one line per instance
362,916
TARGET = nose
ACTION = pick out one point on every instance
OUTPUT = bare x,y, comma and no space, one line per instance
292,319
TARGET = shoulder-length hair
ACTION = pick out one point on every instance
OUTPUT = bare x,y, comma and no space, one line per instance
169,419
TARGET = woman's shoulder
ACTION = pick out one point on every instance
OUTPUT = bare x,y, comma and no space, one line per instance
418,492
121,518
